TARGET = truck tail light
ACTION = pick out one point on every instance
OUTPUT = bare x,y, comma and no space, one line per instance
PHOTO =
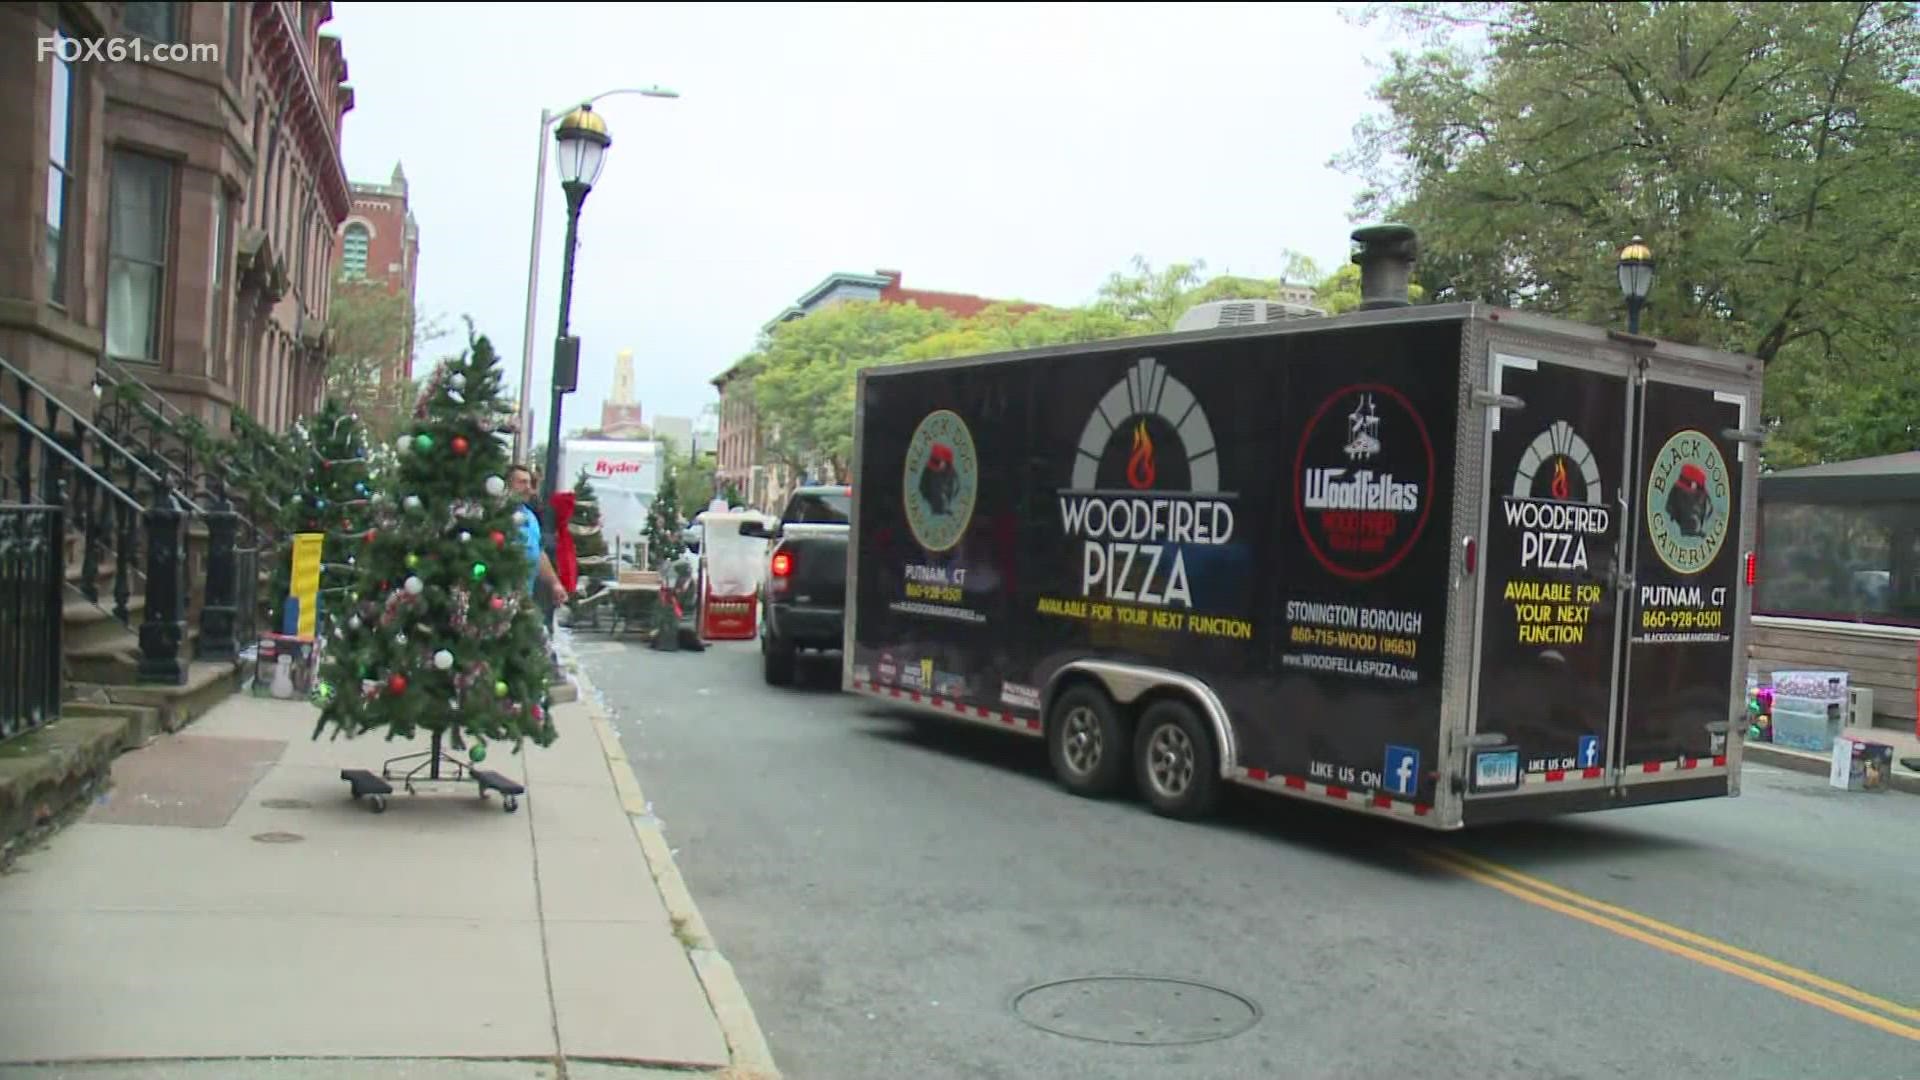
782,564
1753,568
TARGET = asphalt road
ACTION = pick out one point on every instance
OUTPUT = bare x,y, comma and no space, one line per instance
886,886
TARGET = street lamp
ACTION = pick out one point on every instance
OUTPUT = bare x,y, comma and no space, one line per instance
522,440
1636,279
583,143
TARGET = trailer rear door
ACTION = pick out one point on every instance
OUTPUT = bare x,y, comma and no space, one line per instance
1548,650
1680,678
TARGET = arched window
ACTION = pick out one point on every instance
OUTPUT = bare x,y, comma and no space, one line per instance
353,251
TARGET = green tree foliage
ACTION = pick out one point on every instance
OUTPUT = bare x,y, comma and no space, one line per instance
664,543
588,541
444,634
371,329
1766,151
333,498
695,483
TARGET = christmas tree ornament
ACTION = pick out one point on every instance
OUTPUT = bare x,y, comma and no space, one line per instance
400,639
443,660
397,684
413,560
354,622
496,487
499,538
500,689
479,570
496,603
466,537
457,381
479,752
413,502
424,443
415,586
460,445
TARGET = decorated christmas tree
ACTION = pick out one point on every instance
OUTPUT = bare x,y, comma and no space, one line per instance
333,498
443,635
663,522
590,545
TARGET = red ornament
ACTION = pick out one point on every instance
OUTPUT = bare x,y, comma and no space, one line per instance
497,603
499,539
460,444
397,685
369,537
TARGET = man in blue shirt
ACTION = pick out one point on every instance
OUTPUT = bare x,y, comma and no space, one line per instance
520,480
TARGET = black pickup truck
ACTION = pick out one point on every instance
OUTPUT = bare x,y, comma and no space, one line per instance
804,601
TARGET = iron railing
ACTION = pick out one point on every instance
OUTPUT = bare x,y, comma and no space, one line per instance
32,569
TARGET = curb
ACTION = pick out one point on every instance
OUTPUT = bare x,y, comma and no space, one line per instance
1806,762
746,1043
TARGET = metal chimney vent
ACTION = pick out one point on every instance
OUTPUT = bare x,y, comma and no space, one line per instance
1386,257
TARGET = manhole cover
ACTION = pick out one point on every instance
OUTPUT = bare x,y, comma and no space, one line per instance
278,837
1136,1010
286,804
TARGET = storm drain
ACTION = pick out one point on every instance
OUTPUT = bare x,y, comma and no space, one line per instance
278,837
286,804
1136,1010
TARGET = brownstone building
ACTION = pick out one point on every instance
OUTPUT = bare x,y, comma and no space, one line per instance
380,241
181,207
741,460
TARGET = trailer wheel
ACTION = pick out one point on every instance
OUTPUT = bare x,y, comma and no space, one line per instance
1087,741
1175,762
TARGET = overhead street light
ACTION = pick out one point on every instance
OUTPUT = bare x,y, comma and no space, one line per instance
1636,279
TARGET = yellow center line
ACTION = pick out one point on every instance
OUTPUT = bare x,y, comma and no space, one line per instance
1859,997
1452,862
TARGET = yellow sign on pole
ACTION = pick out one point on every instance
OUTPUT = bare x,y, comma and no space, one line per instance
304,583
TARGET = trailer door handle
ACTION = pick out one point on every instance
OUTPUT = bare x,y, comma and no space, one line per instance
1497,401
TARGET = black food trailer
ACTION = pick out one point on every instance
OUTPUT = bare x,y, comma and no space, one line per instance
1451,564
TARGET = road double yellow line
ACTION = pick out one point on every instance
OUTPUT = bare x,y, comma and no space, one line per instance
1806,987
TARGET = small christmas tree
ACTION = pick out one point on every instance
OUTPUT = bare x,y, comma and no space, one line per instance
732,495
333,498
443,635
663,522
589,543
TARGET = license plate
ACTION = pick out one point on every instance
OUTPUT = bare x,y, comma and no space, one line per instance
1496,770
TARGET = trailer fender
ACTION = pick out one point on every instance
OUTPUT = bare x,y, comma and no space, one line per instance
1128,683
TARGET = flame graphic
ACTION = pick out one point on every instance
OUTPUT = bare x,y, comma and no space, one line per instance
1140,465
1560,486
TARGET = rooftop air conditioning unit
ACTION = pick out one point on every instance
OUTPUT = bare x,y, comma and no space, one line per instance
1222,313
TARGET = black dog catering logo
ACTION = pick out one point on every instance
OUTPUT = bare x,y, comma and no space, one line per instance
1145,488
1689,502
941,480
1363,481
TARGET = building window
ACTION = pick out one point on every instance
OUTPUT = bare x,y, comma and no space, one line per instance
353,251
236,40
59,173
154,21
222,246
136,276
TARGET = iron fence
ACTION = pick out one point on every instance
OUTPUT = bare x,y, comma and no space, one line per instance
32,572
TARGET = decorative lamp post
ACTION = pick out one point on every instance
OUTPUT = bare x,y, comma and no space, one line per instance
1636,279
583,141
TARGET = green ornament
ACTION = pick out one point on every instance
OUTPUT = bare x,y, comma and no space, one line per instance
423,444
413,562
479,570
479,752
500,689
322,693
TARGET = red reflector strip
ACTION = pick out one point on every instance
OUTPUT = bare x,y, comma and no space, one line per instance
1257,774
1651,766
1591,774
1381,802
1033,724
1554,776
1296,783
985,714
1689,763
1337,793
1720,762
1421,809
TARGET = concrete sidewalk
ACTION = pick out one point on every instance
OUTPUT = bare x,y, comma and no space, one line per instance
227,899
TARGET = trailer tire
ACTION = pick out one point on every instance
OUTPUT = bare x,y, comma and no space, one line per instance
1175,762
777,661
1087,743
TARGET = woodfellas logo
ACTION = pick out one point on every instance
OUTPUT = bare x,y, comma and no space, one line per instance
940,481
1363,481
1689,502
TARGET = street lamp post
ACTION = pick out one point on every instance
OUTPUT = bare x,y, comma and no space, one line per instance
548,117
1636,279
583,141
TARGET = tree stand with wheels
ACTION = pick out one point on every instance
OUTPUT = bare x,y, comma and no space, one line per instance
377,788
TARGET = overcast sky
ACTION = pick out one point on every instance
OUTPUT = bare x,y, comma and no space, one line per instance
1013,151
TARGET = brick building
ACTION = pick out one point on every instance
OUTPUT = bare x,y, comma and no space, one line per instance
380,242
740,460
181,211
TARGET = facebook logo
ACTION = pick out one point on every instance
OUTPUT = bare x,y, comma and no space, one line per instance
1589,751
1402,774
